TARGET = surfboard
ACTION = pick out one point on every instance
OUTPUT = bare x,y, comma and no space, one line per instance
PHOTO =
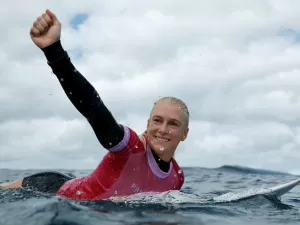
272,192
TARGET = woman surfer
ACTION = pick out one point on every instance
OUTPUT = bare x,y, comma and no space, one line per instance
134,163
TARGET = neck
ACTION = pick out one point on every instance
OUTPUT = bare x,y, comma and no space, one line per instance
163,165
163,155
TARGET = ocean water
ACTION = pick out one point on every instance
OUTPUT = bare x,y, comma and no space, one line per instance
189,206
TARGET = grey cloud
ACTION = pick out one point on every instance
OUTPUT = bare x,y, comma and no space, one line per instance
228,62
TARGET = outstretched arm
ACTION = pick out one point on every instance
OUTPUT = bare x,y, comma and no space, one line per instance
84,96
45,33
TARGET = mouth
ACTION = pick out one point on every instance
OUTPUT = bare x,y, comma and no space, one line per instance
161,139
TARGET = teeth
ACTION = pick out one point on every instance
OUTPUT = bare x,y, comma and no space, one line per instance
162,139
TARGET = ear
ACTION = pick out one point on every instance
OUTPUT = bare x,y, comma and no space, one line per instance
185,134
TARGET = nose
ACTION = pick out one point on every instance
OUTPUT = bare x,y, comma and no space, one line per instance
163,128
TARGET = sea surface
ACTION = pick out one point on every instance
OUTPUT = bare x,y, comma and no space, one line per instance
189,206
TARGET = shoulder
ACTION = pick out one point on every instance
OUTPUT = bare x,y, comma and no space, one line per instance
131,141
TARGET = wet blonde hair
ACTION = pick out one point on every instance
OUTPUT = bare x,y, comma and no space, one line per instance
176,101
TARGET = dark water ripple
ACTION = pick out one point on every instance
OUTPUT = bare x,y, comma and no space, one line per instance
21,207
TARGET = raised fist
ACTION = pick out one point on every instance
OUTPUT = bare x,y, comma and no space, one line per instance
45,30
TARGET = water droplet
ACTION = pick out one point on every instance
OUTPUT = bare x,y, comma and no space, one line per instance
174,187
161,149
180,171
80,101
116,192
134,169
110,143
175,175
170,132
70,92
78,193
136,146
61,79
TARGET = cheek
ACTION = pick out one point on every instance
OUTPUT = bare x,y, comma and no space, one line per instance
152,128
149,129
178,135
150,133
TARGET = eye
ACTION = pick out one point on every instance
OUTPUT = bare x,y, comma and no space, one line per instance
173,124
156,120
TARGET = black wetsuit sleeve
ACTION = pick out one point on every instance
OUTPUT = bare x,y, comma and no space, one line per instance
84,96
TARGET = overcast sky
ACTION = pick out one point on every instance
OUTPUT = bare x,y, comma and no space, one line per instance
235,63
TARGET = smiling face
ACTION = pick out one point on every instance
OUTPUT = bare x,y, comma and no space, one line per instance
166,128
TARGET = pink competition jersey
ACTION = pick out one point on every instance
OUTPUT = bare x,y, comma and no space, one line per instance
126,169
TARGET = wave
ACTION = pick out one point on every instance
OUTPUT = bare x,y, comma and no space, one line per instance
242,169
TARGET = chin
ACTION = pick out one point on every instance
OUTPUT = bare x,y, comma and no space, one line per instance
156,146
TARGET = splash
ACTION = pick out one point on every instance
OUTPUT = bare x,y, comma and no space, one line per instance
172,197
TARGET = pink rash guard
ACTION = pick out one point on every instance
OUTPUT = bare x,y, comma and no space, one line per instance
126,169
